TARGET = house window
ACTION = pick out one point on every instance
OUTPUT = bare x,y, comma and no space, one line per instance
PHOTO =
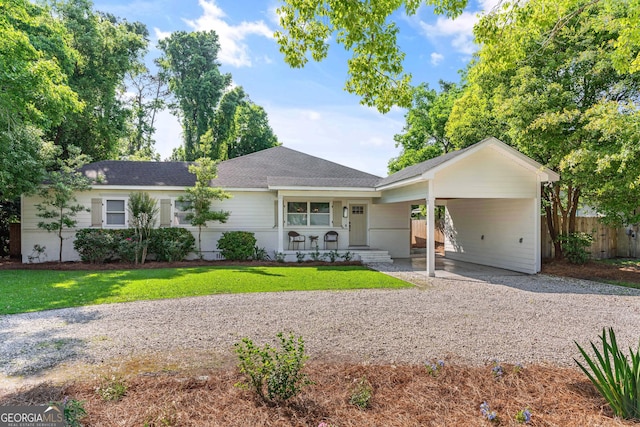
319,214
181,210
307,214
116,212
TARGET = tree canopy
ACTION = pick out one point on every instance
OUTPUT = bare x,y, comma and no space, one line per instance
190,65
108,48
545,81
364,28
424,134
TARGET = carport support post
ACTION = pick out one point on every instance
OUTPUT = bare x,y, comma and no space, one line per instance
431,229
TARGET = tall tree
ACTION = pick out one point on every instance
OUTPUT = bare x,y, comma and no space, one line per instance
190,65
549,82
250,131
34,91
424,134
146,99
109,48
366,29
223,121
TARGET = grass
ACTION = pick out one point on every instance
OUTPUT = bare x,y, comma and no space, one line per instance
36,290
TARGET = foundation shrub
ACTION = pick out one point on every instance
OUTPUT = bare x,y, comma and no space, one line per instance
237,245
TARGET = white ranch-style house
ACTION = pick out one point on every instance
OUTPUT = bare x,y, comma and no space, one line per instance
491,195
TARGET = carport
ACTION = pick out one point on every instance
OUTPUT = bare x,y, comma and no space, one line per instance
491,194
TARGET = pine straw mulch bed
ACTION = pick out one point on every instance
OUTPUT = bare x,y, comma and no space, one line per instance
594,270
402,396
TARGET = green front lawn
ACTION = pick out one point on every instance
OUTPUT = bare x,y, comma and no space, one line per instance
35,290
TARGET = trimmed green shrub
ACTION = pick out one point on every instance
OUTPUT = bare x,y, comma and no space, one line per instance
237,245
95,246
574,247
274,374
101,245
171,244
615,376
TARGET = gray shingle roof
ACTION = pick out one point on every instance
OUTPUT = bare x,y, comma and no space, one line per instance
277,166
138,173
281,166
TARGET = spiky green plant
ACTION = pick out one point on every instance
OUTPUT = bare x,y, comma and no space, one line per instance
615,376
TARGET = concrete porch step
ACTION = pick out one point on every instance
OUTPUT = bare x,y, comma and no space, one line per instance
370,256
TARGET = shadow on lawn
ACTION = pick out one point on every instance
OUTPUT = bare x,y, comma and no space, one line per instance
257,270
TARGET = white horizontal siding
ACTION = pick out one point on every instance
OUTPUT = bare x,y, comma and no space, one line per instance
487,173
502,222
389,228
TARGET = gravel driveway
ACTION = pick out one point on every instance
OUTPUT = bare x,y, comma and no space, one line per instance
515,319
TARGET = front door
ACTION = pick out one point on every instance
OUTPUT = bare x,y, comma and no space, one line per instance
358,225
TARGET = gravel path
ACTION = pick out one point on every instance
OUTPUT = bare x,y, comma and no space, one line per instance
515,319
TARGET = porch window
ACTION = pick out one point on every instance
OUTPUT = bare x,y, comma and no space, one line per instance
116,212
297,213
319,214
305,214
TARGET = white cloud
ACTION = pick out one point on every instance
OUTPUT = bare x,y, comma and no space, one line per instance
161,34
488,5
233,48
459,30
436,58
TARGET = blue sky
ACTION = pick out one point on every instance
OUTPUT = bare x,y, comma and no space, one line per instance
308,109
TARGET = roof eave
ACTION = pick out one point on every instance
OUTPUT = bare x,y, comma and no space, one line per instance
308,188
402,183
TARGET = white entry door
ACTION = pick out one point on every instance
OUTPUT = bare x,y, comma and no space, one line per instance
357,225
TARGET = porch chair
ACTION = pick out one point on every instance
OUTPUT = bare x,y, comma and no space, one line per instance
294,240
331,237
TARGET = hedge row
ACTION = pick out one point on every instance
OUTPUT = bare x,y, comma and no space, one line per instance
99,245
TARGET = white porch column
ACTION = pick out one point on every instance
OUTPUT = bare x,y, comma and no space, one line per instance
280,222
431,242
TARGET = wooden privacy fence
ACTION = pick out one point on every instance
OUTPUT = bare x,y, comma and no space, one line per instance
419,233
605,239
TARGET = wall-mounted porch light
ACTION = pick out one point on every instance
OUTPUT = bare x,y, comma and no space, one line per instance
345,212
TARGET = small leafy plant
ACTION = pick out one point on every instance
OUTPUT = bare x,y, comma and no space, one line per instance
274,374
497,369
73,411
523,416
112,389
279,256
487,413
347,256
260,254
361,393
575,246
36,253
316,255
300,256
433,368
615,376
333,255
